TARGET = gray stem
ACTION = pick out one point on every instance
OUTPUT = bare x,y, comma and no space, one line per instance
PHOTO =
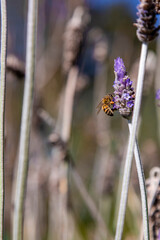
142,185
2,109
25,122
131,144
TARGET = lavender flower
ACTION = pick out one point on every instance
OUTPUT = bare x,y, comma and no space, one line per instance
146,30
158,96
124,92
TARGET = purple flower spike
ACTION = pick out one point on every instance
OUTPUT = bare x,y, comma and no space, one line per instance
119,68
123,90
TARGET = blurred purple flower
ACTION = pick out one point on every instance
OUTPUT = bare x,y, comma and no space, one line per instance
123,90
158,94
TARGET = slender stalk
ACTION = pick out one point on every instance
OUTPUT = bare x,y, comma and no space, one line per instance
131,144
157,86
60,168
2,110
26,122
142,188
68,103
89,201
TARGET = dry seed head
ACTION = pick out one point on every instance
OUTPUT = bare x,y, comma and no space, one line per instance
74,36
157,6
153,194
146,30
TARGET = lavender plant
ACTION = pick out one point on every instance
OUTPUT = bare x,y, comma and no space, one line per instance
124,102
2,103
73,38
146,31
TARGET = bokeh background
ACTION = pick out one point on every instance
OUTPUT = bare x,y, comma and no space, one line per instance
54,207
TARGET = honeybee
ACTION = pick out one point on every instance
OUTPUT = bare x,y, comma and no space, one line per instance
106,104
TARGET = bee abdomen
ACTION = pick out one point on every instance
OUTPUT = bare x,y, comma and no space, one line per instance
107,110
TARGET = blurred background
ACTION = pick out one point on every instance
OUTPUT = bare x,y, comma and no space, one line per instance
80,202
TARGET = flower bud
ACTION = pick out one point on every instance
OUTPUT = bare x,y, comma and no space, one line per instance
146,30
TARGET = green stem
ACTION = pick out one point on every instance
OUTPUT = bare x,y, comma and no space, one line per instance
131,144
2,105
25,122
142,185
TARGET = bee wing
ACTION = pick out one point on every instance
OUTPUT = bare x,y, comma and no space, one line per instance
99,106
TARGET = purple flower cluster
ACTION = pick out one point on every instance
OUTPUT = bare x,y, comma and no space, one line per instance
123,90
158,96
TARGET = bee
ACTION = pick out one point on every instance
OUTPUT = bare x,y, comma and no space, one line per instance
106,104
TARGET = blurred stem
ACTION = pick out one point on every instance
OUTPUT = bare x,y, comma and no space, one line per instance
68,103
141,179
89,201
157,86
2,105
65,135
131,144
25,122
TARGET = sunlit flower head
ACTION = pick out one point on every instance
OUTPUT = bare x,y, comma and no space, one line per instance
123,90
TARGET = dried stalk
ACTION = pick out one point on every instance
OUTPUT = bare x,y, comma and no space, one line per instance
68,103
2,104
153,194
101,170
58,167
157,86
26,122
141,179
